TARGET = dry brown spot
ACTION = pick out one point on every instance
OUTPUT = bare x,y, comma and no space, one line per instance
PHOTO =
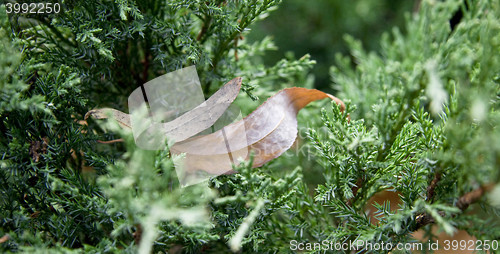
4,238
37,148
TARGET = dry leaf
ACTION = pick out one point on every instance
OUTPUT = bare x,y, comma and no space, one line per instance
4,238
268,132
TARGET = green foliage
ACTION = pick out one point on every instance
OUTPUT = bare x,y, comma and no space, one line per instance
11,85
427,108
316,28
421,120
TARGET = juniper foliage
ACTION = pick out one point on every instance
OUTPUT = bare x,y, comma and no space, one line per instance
421,121
424,123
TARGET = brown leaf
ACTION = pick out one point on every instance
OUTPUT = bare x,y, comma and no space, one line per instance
4,238
268,131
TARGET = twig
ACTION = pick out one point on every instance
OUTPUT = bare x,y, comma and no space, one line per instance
146,63
111,141
463,203
432,187
243,23
204,29
57,33
236,58
355,190
472,197
416,6
137,234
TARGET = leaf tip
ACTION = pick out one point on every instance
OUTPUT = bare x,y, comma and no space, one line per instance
338,101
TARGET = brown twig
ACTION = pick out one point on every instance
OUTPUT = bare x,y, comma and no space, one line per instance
432,187
206,24
472,197
416,6
111,141
137,234
236,58
355,190
204,29
463,203
145,71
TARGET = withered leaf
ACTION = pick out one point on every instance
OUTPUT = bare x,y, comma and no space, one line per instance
269,131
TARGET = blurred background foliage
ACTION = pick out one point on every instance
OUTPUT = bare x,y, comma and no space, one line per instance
318,28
